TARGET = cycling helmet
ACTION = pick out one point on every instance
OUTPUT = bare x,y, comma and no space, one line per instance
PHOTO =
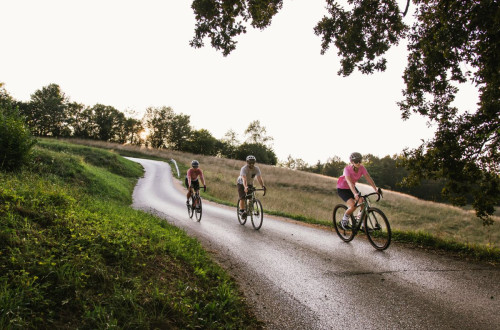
251,158
195,164
356,157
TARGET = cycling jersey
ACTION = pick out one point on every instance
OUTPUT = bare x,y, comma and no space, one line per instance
355,176
194,173
250,174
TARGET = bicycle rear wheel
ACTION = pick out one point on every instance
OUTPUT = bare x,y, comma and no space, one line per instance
345,234
198,209
241,219
257,215
377,229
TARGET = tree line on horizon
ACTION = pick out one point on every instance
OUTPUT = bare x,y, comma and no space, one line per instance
50,113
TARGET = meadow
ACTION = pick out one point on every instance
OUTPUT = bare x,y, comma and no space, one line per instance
311,197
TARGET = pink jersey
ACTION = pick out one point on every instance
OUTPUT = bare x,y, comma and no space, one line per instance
355,176
193,173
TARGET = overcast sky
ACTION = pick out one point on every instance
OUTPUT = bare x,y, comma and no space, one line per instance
135,54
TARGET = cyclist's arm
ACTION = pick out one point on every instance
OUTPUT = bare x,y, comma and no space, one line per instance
370,181
245,183
352,186
189,177
202,177
261,181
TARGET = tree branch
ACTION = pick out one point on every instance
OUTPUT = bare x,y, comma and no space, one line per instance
406,9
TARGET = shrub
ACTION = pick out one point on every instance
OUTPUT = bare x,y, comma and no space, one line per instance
264,154
16,140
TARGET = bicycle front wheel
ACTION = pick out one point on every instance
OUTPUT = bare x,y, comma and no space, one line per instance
345,233
257,214
191,209
198,210
377,229
242,219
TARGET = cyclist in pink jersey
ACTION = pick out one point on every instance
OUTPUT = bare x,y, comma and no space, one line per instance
192,181
346,184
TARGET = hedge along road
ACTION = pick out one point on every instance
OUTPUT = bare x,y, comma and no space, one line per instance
296,276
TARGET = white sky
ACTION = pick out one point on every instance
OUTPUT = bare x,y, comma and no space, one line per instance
136,54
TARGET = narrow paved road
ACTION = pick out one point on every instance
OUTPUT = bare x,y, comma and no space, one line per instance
301,277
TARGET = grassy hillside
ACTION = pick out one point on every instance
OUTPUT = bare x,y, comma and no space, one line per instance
74,254
310,197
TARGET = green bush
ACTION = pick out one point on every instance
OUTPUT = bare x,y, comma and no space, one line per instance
16,140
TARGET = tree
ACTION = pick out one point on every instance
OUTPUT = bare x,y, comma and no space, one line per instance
293,164
76,119
131,131
228,144
46,113
179,130
450,43
257,134
156,120
202,142
334,167
108,122
264,154
16,141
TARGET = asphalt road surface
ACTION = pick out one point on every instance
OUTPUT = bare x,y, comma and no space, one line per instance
296,276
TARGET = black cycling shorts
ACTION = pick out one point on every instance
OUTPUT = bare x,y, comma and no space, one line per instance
346,194
194,183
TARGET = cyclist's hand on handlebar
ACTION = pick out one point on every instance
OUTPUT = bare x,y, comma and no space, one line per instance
204,188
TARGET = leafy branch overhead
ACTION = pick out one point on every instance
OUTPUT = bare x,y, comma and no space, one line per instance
449,42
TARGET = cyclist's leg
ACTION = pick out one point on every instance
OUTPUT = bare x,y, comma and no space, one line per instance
241,194
351,206
195,185
348,197
188,196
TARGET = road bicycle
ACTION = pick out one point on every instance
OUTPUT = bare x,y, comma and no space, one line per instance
253,208
370,220
196,206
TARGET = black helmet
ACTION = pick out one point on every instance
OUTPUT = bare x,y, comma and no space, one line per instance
356,157
251,158
195,163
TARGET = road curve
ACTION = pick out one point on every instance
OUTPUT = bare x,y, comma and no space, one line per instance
296,276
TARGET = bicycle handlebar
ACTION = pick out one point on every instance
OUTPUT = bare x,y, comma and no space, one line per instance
379,194
255,189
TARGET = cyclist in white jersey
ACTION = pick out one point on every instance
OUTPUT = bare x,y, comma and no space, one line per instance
247,175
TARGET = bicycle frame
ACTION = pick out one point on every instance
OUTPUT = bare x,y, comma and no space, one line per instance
195,209
364,211
253,208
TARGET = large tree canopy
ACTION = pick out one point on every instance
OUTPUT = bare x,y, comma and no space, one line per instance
450,42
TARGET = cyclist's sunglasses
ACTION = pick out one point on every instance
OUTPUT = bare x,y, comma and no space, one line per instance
357,162
251,162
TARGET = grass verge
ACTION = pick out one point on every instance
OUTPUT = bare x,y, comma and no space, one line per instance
74,254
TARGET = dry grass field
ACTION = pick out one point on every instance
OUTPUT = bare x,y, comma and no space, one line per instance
313,196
